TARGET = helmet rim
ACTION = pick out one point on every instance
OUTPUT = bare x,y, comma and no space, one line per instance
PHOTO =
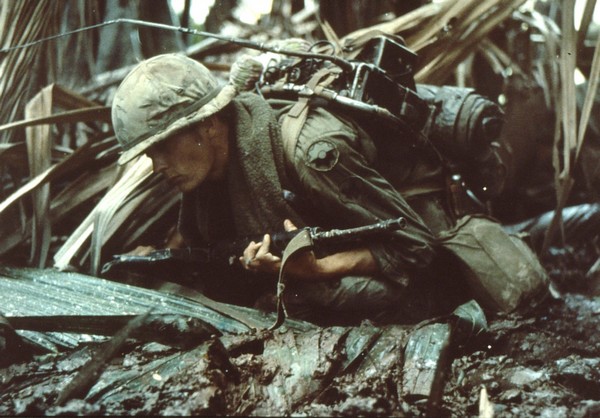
162,96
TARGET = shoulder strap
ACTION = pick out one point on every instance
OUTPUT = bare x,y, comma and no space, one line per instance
294,120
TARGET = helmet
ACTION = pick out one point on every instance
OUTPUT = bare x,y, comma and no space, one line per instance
160,97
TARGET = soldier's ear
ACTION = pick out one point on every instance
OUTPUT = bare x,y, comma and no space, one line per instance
208,126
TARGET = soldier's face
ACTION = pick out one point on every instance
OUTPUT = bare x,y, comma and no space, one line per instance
187,158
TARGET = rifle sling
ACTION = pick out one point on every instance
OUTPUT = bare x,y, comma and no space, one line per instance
299,243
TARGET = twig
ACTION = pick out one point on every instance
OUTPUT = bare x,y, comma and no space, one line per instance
91,371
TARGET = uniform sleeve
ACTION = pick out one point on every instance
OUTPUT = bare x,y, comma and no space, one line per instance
336,178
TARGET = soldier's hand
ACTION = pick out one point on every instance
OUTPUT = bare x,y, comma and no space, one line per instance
258,258
304,265
141,250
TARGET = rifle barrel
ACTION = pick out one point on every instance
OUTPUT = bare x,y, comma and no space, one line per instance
229,251
362,231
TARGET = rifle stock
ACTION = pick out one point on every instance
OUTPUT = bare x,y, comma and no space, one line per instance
229,251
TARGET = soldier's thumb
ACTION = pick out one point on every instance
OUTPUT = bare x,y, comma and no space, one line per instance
289,226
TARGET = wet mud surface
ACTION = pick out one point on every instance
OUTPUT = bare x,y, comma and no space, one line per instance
543,363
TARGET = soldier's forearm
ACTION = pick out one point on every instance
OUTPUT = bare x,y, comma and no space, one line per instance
356,262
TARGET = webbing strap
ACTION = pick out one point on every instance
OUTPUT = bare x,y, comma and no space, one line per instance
291,126
294,120
299,243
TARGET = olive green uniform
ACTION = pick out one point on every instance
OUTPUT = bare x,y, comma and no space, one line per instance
333,177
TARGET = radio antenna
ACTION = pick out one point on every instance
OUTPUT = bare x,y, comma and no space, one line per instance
342,63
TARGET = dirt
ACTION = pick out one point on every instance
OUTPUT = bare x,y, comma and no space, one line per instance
543,363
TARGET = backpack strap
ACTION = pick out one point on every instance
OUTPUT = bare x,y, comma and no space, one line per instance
292,124
294,120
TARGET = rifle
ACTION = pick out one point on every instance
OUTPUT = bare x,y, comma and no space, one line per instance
229,251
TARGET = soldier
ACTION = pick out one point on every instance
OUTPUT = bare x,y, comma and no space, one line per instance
224,151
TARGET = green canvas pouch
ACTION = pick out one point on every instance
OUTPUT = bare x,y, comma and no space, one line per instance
502,271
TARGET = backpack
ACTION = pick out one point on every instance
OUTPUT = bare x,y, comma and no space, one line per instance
378,91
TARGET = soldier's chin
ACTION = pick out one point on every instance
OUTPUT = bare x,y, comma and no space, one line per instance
181,184
186,185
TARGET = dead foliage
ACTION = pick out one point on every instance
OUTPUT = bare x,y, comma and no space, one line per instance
66,203
70,198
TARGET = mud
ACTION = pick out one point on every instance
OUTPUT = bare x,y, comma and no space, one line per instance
543,363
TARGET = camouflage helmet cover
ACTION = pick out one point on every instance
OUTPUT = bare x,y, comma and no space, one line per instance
160,97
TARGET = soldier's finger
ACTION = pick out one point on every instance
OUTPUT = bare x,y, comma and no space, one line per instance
249,253
264,248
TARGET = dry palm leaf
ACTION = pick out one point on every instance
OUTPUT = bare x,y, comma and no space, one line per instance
594,83
498,59
39,146
156,209
111,217
82,190
571,141
34,183
158,198
87,114
568,58
588,14
354,41
443,56
22,22
81,158
332,38
439,25
443,33
132,175
547,70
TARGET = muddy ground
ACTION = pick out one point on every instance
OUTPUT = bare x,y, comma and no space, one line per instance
543,363
546,365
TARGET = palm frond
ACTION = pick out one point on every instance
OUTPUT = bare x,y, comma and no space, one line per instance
566,156
594,83
99,218
23,22
588,14
442,33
